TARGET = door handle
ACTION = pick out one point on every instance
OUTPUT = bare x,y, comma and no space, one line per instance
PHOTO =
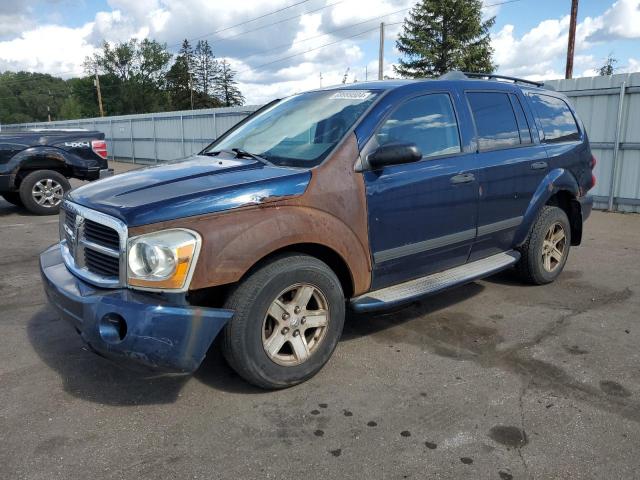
462,178
539,165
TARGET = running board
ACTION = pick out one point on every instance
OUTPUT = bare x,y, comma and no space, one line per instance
436,282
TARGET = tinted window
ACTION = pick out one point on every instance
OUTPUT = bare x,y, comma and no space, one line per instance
523,125
427,121
555,117
495,121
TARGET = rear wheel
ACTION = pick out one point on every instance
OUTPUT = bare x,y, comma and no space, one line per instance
545,252
13,198
288,319
42,191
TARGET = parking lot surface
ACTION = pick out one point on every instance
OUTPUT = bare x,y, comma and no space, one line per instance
492,380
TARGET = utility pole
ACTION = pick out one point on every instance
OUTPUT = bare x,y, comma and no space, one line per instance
381,53
366,73
49,108
320,79
97,82
572,39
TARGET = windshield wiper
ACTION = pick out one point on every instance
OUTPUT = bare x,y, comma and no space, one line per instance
243,153
239,153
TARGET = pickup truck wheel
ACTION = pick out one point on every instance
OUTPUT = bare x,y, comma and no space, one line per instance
13,198
288,319
42,191
546,249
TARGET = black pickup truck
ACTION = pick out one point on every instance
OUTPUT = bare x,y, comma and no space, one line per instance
35,165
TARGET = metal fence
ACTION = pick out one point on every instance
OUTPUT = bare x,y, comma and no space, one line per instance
609,107
155,137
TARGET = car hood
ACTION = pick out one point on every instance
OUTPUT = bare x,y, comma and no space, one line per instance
194,186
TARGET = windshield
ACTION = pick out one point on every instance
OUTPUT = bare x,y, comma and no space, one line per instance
301,130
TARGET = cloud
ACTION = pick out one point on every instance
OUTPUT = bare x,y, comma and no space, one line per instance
50,49
620,21
538,53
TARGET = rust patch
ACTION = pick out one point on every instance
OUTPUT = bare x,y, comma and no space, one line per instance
331,212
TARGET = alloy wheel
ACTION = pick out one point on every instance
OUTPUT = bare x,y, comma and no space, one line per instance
295,324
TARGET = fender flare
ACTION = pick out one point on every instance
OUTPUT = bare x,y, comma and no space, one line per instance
556,180
54,157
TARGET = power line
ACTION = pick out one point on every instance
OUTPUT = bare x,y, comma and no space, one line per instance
289,45
225,39
224,29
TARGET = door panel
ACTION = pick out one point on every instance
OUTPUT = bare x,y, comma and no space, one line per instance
422,216
510,164
507,183
419,222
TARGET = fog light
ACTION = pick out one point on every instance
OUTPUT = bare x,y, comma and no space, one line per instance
113,328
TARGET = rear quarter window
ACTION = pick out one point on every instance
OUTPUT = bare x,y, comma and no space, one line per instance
557,122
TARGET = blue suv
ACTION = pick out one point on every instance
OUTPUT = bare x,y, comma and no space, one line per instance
366,196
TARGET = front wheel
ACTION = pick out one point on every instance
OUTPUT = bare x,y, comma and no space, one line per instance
545,252
288,319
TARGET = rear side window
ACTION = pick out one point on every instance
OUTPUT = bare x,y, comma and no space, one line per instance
495,120
558,123
523,125
428,121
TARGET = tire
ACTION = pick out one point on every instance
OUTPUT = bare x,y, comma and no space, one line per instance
540,262
252,330
13,198
41,191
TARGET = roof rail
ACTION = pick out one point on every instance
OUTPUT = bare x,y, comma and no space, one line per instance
491,76
458,75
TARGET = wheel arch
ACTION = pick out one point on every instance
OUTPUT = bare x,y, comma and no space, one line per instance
558,188
33,159
323,253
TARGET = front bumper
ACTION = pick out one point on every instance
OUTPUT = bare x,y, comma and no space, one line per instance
157,334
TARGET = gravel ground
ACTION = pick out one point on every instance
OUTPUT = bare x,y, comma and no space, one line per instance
491,380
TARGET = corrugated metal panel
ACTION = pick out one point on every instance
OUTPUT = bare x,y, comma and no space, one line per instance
156,137
596,99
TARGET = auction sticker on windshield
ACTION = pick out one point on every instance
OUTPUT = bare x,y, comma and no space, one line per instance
351,95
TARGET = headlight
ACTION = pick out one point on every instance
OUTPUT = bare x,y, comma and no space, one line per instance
162,260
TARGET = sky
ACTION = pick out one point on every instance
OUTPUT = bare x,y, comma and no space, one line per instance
286,46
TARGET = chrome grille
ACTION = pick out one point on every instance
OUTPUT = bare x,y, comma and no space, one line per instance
101,264
101,234
93,245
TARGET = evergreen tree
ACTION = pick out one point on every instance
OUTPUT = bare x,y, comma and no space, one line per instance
179,79
227,89
205,72
444,35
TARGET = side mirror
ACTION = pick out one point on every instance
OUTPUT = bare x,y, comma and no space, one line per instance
394,154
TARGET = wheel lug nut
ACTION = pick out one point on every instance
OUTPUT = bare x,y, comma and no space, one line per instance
296,310
296,333
285,316
285,330
303,320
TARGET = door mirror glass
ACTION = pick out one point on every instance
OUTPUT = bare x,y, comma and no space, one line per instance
394,154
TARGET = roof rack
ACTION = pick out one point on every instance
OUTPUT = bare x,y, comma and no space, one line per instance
458,75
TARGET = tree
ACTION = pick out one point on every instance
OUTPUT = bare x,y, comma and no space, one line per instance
444,35
179,79
609,66
205,71
227,88
138,70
